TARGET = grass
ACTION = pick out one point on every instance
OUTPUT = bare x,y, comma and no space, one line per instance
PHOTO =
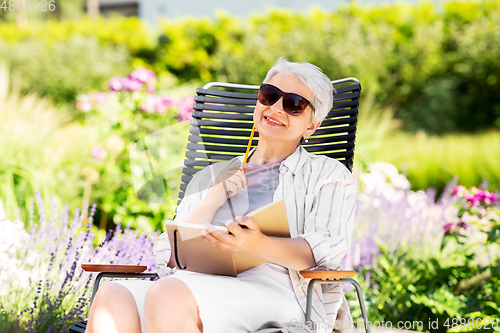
427,161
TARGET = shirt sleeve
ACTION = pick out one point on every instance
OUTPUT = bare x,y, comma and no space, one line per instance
329,224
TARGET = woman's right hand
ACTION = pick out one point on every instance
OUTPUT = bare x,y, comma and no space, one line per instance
228,183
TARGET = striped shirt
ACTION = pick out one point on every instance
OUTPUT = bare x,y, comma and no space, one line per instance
320,196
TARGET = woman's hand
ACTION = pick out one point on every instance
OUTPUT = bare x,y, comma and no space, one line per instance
244,237
228,183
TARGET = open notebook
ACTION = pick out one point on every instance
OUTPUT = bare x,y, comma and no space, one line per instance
192,253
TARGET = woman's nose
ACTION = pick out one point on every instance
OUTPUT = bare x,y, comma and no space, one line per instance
278,105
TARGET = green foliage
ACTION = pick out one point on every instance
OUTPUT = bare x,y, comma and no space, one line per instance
63,69
40,148
433,161
439,70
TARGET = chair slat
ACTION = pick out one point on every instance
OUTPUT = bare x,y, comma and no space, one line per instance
326,148
209,147
223,93
211,156
343,97
347,104
241,109
229,141
333,130
339,121
352,87
220,100
225,124
196,163
337,138
230,116
224,132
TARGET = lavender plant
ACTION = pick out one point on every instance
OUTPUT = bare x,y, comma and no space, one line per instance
43,288
391,215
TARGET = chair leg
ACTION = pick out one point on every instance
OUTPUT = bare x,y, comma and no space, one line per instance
347,280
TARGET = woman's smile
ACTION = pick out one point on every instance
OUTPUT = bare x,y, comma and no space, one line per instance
273,121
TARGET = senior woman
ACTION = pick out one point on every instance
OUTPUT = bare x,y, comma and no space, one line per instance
319,194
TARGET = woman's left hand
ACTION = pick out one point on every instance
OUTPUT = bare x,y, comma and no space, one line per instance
244,237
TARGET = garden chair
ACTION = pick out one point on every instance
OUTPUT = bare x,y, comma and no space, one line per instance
220,128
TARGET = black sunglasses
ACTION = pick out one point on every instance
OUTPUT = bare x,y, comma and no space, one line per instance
293,104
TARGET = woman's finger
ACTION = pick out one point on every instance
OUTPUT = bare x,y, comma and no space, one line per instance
231,188
221,236
247,222
242,178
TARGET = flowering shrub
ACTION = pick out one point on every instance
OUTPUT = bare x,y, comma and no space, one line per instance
477,207
125,115
398,251
142,82
42,287
387,207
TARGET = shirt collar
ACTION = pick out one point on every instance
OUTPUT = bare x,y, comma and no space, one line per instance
293,162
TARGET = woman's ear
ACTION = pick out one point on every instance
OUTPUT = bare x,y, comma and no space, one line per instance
312,128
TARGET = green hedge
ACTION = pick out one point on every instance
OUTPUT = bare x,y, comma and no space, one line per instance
441,70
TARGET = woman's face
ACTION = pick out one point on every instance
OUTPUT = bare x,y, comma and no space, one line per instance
291,128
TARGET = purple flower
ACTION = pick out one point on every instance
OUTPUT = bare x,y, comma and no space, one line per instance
448,228
115,83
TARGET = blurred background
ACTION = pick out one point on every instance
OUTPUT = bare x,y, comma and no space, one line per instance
83,81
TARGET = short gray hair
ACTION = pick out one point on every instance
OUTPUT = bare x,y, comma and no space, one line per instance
315,80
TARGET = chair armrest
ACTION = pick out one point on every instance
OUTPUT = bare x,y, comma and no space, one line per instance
326,274
113,268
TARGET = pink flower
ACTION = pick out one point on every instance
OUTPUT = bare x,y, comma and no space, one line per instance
131,84
148,105
101,98
142,75
458,190
161,108
168,101
84,103
494,197
115,83
157,104
98,153
448,227
185,108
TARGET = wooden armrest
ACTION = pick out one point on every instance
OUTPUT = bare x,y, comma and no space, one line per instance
326,274
113,268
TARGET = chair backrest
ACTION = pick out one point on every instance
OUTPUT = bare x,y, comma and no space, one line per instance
222,121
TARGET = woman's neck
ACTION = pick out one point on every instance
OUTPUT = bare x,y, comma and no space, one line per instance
266,153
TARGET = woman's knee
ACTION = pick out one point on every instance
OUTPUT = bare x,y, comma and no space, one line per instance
113,310
170,292
170,302
111,294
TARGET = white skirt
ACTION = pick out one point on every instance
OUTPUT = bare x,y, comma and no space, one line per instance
233,304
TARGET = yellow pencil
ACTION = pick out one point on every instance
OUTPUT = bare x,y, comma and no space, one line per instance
249,144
